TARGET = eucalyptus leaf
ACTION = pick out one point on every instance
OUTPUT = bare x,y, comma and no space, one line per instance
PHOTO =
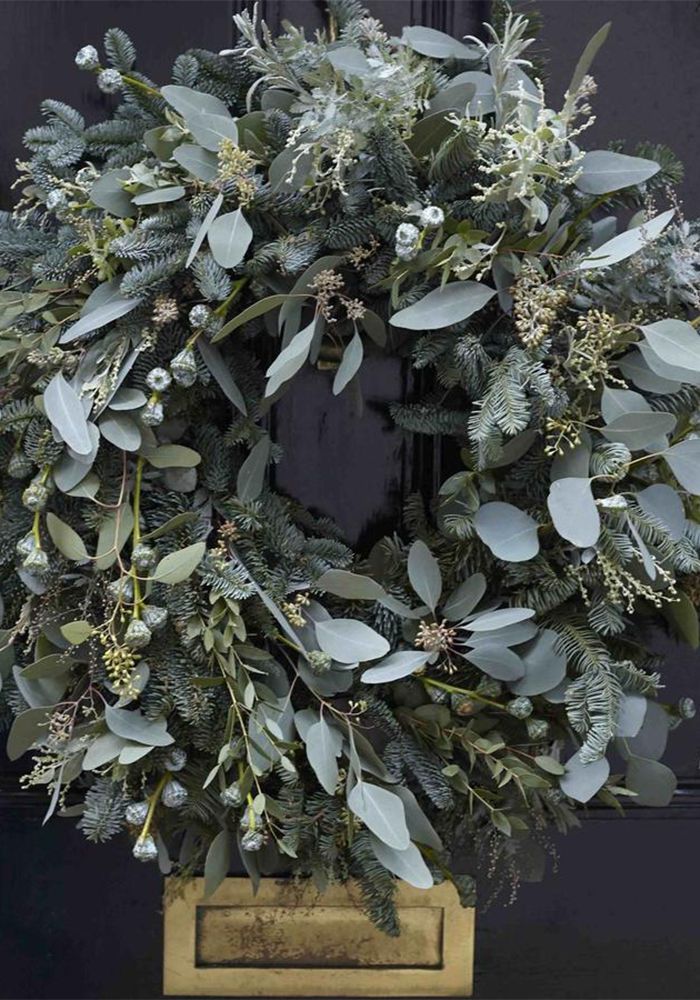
115,529
675,342
544,663
349,365
258,308
574,512
437,44
497,661
424,574
465,597
352,586
407,864
639,430
445,306
112,306
684,461
627,244
217,862
108,193
199,239
201,163
221,372
349,61
400,664
492,620
67,541
120,430
382,812
187,101
582,781
210,130
160,195
290,359
664,503
172,456
65,411
180,565
509,533
28,728
323,747
251,475
602,171
350,641
229,237
134,726
654,783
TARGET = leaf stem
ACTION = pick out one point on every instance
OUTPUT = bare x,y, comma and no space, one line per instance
152,803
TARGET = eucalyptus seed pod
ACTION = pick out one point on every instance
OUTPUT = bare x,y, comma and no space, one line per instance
145,849
431,217
152,414
199,316
537,729
137,634
135,813
253,840
35,496
686,708
36,562
143,556
87,57
489,687
25,545
158,379
154,617
174,794
520,708
56,199
232,795
121,589
110,81
184,368
176,759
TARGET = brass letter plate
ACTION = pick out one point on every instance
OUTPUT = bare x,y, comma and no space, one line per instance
291,941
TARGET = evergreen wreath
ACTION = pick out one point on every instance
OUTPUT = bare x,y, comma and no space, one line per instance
192,657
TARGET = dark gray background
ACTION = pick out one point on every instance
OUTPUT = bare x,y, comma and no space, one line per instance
619,919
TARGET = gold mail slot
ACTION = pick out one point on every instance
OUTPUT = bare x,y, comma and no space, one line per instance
291,941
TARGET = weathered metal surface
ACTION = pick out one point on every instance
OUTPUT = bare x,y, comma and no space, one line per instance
290,941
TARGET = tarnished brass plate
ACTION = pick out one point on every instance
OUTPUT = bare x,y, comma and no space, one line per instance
290,941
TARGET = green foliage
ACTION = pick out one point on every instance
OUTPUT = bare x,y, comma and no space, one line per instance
199,656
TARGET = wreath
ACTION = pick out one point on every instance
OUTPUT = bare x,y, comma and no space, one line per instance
195,658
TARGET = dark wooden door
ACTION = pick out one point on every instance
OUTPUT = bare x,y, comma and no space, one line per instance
618,920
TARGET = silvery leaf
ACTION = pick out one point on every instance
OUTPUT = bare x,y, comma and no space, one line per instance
582,781
65,412
424,574
442,307
574,512
509,533
382,812
602,171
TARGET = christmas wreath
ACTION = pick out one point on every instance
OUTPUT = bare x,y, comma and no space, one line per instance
194,658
